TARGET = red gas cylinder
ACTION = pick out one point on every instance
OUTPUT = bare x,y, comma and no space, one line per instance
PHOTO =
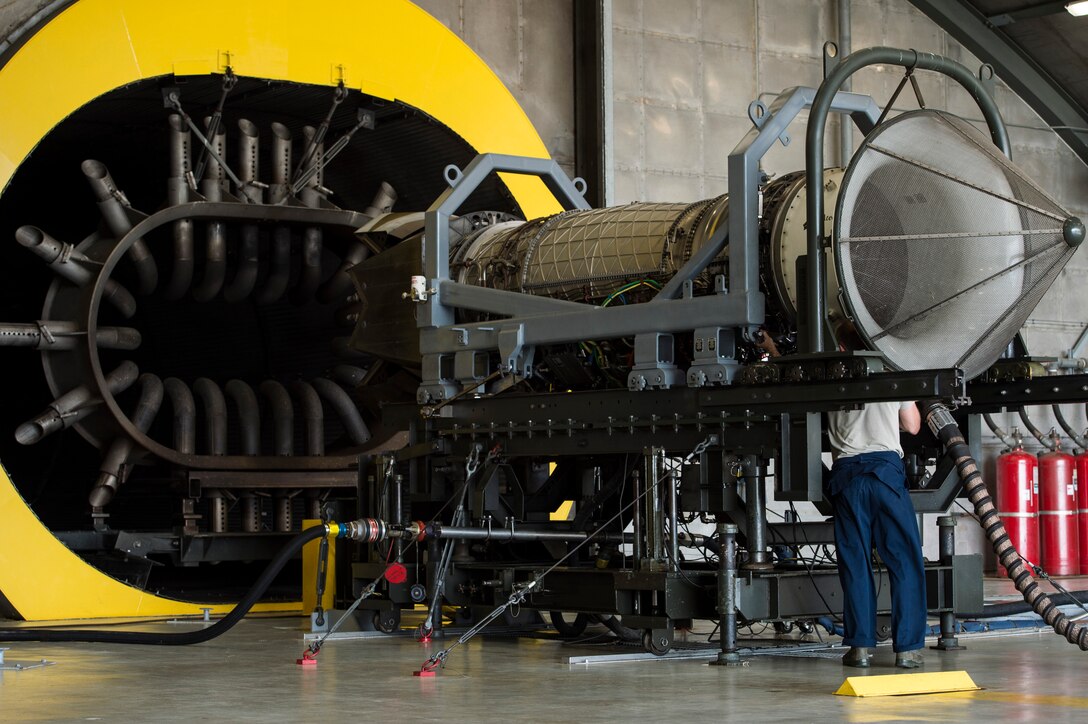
1081,467
1058,514
1016,502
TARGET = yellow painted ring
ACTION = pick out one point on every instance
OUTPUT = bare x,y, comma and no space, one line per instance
386,48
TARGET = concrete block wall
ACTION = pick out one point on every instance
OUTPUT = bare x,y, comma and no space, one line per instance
530,46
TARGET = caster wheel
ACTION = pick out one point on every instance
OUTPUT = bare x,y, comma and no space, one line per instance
387,621
656,643
783,627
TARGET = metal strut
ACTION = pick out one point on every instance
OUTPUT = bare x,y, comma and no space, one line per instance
472,465
365,120
338,97
173,100
438,659
229,81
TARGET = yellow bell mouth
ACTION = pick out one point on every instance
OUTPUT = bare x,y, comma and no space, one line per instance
66,100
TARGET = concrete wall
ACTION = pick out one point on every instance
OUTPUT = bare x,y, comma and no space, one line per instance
530,46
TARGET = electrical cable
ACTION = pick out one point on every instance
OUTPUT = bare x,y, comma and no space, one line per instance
185,638
808,569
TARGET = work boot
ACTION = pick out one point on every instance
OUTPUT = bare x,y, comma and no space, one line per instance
858,657
909,659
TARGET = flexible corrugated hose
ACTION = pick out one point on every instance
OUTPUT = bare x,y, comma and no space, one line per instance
946,430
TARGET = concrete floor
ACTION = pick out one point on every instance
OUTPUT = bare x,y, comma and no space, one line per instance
249,674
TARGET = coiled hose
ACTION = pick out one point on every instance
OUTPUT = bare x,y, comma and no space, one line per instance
946,430
183,638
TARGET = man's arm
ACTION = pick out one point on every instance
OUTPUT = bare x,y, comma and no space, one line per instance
910,419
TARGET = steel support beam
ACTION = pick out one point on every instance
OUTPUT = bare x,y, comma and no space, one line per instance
593,99
1022,74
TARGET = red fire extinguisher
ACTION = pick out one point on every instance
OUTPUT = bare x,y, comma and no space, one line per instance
1058,519
1081,468
1017,502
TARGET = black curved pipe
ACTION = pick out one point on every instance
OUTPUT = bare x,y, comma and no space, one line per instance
279,267
946,430
1077,439
181,277
348,375
1008,440
115,214
111,473
245,276
184,638
71,264
181,400
341,402
215,259
1036,432
283,417
313,413
249,415
215,415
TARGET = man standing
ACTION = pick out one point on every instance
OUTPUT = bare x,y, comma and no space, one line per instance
868,489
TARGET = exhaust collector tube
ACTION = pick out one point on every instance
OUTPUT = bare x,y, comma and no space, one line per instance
60,335
245,277
279,272
184,407
249,415
74,405
116,217
313,414
213,187
283,417
309,276
339,284
177,191
215,415
73,265
112,473
945,429
345,408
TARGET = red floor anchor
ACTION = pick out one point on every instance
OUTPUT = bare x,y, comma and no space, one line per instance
308,659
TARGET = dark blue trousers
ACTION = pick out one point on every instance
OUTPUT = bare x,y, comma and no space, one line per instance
872,507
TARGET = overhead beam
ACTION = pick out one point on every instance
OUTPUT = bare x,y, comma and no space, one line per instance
1024,76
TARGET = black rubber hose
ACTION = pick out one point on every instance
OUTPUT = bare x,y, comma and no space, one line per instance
623,633
1078,440
185,638
946,430
1035,432
1006,439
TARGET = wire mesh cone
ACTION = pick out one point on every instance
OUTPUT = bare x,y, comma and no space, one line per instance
943,247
